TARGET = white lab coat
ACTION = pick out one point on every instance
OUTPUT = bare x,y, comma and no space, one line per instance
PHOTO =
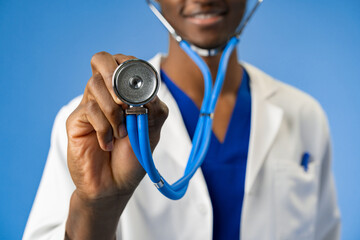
281,199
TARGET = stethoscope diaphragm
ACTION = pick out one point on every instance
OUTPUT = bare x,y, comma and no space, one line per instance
135,82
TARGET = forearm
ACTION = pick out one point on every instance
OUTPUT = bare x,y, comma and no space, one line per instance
96,219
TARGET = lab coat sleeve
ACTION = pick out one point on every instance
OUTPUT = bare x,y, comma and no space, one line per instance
50,209
328,217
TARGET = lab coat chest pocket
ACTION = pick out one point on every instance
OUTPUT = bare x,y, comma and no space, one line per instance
295,199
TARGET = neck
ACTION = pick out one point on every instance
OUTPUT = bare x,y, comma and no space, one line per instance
187,76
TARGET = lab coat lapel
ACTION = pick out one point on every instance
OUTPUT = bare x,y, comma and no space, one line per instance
174,130
265,122
174,127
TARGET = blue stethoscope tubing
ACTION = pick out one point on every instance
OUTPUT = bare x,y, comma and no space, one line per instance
138,132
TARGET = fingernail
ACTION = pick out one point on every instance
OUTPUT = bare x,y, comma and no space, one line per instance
110,146
122,131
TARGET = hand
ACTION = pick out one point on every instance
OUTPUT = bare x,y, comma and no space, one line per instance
101,161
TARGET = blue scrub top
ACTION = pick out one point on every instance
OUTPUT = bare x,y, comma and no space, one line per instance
224,166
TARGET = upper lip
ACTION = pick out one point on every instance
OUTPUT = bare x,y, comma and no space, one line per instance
205,12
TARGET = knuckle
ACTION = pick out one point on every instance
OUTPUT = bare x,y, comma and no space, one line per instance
118,55
69,122
94,81
69,128
113,112
164,110
129,57
109,75
103,130
158,113
71,119
96,56
91,106
120,58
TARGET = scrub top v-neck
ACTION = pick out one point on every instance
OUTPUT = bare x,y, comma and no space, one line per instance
224,166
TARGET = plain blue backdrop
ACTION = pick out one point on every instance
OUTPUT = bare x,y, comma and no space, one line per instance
45,51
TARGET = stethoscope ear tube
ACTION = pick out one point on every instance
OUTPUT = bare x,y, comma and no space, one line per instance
138,132
136,83
128,82
201,51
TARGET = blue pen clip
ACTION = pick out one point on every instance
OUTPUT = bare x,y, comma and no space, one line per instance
305,161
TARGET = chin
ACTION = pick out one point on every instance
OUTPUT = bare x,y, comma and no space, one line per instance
208,44
208,40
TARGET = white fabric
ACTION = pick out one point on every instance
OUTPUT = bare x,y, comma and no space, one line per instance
281,200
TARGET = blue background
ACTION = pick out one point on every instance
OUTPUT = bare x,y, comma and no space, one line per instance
45,51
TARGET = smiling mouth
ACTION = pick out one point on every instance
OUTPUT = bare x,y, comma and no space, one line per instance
205,15
205,19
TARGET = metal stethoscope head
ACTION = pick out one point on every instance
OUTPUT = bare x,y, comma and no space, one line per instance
201,51
136,82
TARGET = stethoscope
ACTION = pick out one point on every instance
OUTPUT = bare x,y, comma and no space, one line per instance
136,83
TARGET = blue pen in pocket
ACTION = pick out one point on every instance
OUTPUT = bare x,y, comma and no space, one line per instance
305,161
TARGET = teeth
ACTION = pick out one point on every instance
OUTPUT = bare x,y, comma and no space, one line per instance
205,15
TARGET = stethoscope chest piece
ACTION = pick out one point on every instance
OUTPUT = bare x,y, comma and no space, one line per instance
135,82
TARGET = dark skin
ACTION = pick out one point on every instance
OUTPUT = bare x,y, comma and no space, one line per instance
101,162
206,35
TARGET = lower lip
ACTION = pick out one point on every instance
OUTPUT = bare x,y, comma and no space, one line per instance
205,21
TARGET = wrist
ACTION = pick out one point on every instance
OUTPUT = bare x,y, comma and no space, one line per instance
100,203
94,219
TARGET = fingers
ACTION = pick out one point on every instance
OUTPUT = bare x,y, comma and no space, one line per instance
101,125
100,88
120,58
105,112
88,119
104,63
158,112
113,112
